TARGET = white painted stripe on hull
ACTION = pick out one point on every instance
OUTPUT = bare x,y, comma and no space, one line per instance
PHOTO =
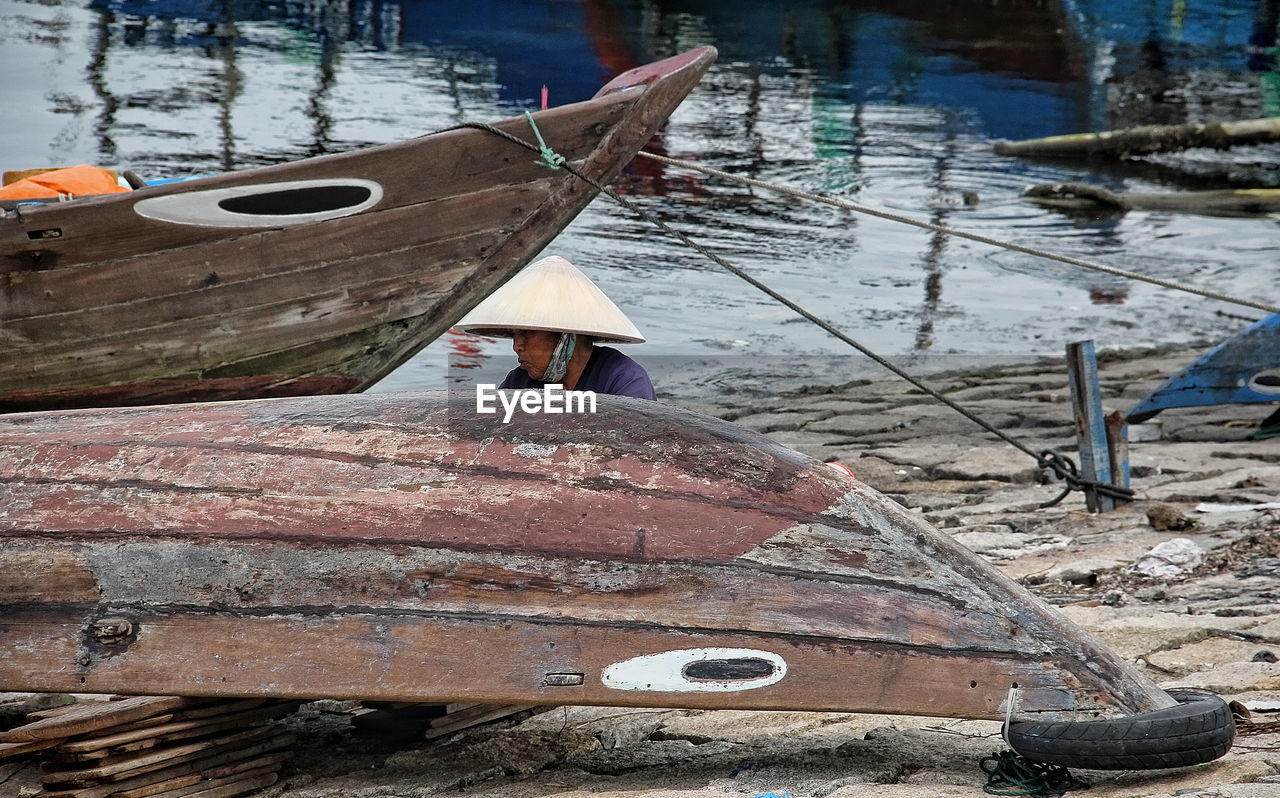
207,208
667,672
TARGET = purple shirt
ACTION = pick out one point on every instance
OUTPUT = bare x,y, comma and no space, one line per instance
608,371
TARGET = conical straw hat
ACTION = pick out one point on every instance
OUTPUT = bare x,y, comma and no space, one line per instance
551,295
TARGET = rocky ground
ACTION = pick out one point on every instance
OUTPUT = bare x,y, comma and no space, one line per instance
1205,615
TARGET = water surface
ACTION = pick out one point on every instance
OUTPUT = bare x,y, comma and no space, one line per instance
890,104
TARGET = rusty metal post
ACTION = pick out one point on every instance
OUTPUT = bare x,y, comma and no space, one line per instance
1091,427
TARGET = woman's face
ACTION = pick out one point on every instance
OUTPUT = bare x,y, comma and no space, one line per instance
534,348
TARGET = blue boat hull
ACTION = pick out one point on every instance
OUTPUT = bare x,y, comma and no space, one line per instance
1243,368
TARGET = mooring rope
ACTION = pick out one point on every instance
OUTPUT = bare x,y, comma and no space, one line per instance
1062,467
951,231
1011,774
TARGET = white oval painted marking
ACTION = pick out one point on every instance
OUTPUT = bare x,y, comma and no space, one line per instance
665,672
1268,385
202,207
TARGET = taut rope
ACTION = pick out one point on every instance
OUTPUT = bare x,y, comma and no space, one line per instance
937,228
1062,467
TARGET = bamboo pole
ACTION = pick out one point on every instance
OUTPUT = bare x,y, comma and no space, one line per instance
1225,202
1147,139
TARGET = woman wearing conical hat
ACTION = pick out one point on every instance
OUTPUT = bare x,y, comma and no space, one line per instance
555,316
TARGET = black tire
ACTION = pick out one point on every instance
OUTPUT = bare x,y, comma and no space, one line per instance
1200,729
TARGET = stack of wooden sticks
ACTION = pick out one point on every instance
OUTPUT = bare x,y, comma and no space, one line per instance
432,721
156,747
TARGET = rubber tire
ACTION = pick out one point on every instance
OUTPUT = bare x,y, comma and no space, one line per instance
1200,729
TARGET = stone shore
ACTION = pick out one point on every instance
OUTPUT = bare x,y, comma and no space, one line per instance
1205,615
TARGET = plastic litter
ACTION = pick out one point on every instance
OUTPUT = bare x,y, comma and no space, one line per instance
1169,559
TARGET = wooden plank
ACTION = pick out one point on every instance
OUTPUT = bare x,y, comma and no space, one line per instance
1222,202
115,768
303,289
1091,428
90,718
217,765
481,713
693,595
244,334
1118,449
18,749
226,788
381,656
220,723
65,755
174,783
224,708
204,784
75,706
274,760
182,729
29,576
238,267
154,720
78,758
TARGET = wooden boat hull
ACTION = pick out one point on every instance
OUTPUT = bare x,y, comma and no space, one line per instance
319,276
397,547
1243,368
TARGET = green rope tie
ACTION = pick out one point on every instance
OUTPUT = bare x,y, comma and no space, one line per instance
550,158
1010,774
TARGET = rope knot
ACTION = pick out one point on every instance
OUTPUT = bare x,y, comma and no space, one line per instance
550,158
1063,467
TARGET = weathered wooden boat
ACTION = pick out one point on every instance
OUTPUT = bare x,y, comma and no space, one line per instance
403,548
319,276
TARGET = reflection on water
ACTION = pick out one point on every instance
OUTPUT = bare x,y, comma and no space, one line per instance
892,103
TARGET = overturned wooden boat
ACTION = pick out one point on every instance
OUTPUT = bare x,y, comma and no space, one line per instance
405,548
319,276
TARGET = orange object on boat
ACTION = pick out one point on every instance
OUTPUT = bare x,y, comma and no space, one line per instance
75,180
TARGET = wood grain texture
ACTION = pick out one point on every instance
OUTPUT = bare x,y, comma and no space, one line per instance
402,548
121,309
94,716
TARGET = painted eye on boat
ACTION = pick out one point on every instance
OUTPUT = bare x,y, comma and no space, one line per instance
697,670
312,199
264,205
1266,382
727,670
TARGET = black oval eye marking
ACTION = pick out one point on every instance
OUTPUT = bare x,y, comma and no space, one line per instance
729,670
294,201
1266,382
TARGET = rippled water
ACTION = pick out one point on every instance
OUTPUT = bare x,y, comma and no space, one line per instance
890,104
